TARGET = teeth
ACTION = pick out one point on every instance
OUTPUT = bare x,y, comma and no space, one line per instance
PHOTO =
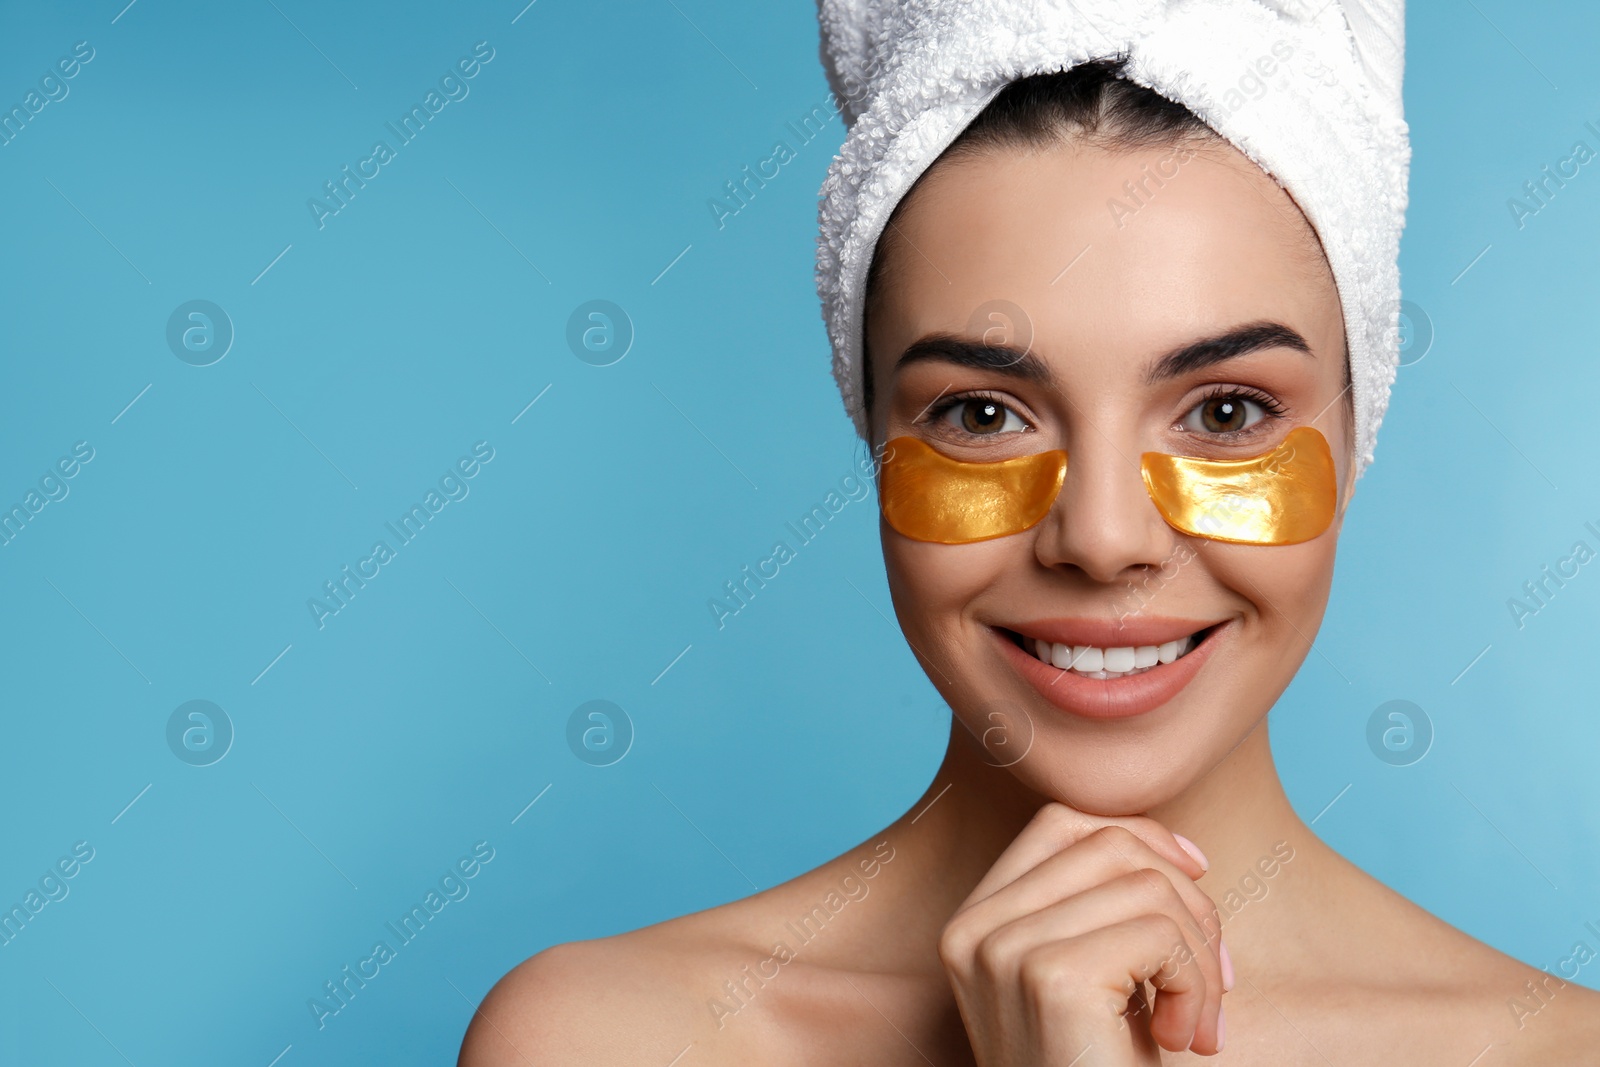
1119,660
1109,662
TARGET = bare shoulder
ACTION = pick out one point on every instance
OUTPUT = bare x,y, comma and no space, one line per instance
629,999
1508,1011
1547,1019
1389,981
758,980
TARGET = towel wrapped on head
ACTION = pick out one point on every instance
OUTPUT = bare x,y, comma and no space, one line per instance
1329,127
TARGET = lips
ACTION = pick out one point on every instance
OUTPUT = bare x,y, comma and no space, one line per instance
1104,669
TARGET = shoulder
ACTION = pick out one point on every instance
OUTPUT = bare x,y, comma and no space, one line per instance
645,996
616,1000
1492,1001
548,1009
1546,1018
1427,992
652,994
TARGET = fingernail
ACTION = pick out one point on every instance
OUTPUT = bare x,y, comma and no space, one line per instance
1194,850
1222,1029
1227,966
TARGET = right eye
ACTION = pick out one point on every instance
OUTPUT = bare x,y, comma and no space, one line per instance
982,416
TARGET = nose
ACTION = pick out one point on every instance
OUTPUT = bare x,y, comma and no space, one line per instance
1103,522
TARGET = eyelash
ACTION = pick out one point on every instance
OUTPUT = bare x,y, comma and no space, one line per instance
949,403
1269,405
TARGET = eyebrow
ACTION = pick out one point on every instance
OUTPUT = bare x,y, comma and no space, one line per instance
1238,341
1004,359
1024,365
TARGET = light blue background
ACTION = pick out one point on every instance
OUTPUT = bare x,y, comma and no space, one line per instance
429,712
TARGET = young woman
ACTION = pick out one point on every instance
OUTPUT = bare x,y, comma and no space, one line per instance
1106,869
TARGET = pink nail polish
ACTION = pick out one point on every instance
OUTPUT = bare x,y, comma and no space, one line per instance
1222,1029
1194,850
1227,965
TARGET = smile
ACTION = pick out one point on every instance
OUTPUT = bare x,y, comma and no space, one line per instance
1121,661
1110,669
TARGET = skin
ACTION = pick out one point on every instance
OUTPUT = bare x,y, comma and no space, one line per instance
1008,915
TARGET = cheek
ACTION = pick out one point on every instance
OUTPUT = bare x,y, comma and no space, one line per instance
932,584
1285,584
939,594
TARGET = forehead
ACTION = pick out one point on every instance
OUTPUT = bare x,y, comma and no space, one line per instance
1128,252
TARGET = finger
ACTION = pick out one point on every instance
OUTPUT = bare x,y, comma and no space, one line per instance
1129,896
1056,827
1095,974
1106,854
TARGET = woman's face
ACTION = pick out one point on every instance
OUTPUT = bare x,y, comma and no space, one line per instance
1119,321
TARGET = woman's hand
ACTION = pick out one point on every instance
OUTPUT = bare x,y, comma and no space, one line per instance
1048,955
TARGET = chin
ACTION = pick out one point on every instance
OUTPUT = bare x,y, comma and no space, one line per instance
1116,784
1126,765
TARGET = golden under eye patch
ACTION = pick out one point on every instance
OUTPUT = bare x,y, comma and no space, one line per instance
930,497
1282,497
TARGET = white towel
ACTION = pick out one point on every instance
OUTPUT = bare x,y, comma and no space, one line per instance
909,75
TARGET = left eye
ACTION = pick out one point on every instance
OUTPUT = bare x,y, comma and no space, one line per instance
983,417
1227,413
